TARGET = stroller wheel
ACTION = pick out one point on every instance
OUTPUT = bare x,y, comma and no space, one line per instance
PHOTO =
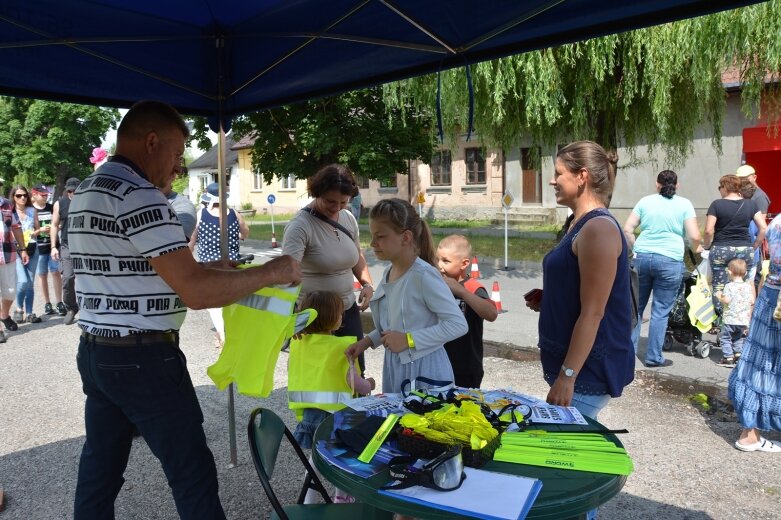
668,342
703,349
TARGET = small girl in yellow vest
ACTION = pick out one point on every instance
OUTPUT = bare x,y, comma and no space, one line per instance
320,378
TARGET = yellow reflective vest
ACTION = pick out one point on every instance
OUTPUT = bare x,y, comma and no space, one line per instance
256,327
317,370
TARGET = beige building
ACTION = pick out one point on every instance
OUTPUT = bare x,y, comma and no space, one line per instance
470,181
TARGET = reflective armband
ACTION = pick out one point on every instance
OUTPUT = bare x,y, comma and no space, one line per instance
410,341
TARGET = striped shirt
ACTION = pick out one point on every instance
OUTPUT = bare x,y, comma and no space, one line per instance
118,220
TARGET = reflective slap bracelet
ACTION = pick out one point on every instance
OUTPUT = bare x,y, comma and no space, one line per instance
378,438
561,444
610,463
588,441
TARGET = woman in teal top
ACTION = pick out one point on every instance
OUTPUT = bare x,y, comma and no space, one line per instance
664,219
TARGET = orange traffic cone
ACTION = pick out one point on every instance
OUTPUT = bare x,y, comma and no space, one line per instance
497,299
273,240
475,269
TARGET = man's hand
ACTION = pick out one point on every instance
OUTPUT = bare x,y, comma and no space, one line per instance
283,270
55,254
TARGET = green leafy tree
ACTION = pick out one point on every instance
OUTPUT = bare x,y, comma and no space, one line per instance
653,85
355,129
48,142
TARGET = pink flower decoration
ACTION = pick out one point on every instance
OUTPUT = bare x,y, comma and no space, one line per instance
98,155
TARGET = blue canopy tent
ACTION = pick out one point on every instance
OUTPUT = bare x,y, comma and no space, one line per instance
222,58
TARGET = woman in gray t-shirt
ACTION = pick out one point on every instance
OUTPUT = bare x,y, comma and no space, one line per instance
324,238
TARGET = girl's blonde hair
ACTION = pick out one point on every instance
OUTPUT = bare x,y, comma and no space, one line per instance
401,216
329,307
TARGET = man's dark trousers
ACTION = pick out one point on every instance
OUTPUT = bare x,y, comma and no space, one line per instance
146,385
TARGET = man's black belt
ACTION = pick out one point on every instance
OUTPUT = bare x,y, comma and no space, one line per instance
133,340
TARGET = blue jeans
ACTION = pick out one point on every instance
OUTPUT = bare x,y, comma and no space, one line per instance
662,275
731,339
305,430
590,405
25,283
147,386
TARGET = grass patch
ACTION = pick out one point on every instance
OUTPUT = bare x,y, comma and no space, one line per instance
259,217
526,249
459,223
262,231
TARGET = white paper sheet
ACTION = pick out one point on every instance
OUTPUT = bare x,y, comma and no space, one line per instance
483,494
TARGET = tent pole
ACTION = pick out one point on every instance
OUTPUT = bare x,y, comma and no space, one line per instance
221,174
223,196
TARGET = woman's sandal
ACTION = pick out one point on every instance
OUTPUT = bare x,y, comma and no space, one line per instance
762,445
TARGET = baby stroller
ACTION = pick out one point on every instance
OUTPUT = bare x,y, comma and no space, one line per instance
679,326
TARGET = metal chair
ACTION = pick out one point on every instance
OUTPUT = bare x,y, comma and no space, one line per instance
265,431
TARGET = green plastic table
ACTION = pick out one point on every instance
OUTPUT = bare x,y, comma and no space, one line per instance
565,493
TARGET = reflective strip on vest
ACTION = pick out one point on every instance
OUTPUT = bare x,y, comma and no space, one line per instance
317,398
317,370
272,299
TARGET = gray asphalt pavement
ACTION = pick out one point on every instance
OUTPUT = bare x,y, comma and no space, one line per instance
685,465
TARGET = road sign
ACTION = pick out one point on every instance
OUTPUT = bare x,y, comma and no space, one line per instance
271,198
507,200
421,198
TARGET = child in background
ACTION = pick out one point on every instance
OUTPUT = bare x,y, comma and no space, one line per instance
413,310
466,352
738,300
319,376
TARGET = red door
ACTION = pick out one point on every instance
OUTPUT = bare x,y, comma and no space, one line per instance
763,153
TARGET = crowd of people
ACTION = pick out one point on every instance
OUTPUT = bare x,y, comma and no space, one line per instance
28,227
427,312
745,277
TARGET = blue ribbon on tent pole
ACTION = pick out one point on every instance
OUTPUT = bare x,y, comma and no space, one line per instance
471,91
439,108
471,102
